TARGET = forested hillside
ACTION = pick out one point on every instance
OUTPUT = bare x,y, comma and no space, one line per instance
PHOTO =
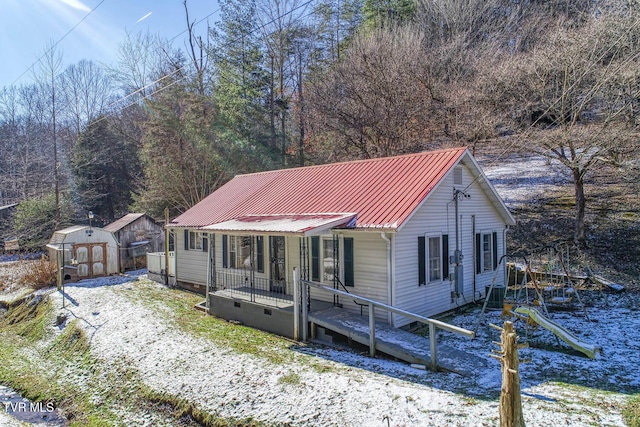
284,83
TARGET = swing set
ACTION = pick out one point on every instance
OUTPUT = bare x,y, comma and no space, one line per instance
542,281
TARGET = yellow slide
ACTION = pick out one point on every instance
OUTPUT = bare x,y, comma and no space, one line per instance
589,349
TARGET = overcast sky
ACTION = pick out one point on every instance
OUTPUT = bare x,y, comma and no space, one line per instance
27,27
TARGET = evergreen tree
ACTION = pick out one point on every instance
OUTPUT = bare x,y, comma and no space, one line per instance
240,82
379,13
106,168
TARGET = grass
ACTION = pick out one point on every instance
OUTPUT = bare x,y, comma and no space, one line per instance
179,305
291,379
60,369
631,411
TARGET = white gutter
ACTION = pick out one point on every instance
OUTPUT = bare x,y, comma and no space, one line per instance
390,318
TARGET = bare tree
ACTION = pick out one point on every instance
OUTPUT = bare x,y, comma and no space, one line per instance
280,21
140,61
576,98
48,79
87,91
380,100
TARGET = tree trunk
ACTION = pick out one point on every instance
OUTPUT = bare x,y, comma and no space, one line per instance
272,106
580,236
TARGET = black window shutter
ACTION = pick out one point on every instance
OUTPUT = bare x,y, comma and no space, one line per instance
186,240
348,262
205,242
315,258
225,255
445,256
422,270
260,253
478,254
495,250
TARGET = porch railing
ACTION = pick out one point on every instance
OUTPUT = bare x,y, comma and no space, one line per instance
156,263
255,289
301,286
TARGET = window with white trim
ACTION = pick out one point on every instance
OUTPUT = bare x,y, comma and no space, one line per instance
486,252
239,254
433,262
329,259
325,259
195,241
434,255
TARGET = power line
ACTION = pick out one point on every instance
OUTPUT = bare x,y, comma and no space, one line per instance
57,43
177,70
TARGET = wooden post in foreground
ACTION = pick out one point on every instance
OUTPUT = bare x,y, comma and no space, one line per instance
510,398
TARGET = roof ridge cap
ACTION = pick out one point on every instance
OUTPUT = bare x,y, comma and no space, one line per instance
374,159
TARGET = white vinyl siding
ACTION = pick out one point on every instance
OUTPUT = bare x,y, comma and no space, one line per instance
436,217
191,265
369,271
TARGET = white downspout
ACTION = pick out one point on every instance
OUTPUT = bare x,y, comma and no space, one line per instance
389,282
504,252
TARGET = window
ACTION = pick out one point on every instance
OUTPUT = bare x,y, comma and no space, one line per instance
195,241
172,239
236,252
486,252
325,260
435,256
433,259
329,259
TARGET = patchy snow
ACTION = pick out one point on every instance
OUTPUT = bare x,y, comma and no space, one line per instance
522,179
357,390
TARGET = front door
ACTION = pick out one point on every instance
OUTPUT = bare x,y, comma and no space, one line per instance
277,282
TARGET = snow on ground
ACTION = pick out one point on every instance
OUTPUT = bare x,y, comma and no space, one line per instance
521,179
358,390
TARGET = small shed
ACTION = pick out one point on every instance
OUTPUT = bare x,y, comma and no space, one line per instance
137,234
82,252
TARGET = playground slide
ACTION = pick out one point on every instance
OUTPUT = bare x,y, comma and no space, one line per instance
589,349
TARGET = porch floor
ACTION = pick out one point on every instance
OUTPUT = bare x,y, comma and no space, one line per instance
396,342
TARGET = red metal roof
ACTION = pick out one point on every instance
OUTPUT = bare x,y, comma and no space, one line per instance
381,192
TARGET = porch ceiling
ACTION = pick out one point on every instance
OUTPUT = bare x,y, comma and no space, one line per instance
289,224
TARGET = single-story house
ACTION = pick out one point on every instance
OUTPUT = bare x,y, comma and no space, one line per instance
421,232
83,252
137,234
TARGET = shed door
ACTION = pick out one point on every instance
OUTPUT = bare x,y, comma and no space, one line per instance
91,259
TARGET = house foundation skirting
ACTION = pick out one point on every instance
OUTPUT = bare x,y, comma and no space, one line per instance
271,319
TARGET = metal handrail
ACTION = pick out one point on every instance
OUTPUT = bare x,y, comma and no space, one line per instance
337,279
432,323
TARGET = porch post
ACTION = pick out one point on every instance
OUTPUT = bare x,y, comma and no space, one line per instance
305,314
432,342
296,305
372,331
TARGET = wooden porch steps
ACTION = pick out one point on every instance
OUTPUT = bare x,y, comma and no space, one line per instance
396,342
